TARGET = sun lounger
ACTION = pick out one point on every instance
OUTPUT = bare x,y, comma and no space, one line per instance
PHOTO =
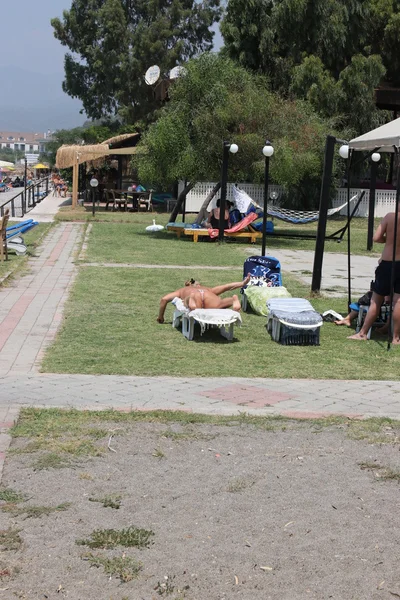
240,230
223,318
293,321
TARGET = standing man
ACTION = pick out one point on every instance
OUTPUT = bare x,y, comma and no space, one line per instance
381,288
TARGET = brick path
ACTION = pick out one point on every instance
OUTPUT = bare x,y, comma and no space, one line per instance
30,314
31,307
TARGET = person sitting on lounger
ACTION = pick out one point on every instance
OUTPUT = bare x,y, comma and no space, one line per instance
195,295
214,216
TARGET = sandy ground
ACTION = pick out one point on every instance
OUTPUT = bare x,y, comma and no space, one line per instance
237,513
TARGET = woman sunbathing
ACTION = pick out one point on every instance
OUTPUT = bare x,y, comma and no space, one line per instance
195,295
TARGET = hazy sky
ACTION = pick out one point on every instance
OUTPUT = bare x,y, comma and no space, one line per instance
31,97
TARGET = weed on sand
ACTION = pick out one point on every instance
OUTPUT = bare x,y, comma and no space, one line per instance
125,568
33,512
112,538
109,501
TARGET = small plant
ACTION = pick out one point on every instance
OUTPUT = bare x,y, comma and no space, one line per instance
125,568
87,476
9,495
167,587
110,501
33,512
381,472
237,485
50,460
7,571
158,453
10,539
111,538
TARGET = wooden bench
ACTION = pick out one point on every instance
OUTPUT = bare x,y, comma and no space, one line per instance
252,236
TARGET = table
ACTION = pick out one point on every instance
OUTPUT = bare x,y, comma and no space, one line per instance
132,194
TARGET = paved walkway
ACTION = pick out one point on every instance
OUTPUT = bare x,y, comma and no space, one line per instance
31,306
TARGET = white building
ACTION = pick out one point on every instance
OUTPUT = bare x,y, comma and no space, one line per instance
29,143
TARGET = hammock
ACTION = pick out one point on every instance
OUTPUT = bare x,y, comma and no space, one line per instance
297,217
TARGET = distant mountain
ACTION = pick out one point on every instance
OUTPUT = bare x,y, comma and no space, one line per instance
35,102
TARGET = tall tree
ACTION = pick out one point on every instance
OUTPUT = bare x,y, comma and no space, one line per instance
332,52
218,100
113,42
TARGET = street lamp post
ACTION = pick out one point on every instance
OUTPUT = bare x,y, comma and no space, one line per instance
94,183
268,151
232,148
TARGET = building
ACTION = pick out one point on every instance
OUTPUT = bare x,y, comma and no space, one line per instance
29,143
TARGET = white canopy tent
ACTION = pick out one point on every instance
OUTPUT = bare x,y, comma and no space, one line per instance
386,138
383,139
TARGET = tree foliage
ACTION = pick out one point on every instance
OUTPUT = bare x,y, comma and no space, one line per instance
330,52
113,42
218,100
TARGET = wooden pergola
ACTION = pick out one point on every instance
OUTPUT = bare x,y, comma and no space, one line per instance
75,155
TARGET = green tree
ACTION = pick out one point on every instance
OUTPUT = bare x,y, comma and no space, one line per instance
333,53
113,42
218,100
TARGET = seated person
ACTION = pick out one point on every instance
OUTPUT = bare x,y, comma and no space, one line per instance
213,217
365,300
195,295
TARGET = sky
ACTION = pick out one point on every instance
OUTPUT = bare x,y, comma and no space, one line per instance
31,97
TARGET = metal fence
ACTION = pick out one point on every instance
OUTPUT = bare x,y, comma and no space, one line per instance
21,202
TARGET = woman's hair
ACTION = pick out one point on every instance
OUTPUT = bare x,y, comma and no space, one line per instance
218,202
191,282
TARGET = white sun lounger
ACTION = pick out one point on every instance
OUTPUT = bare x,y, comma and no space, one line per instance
293,321
223,318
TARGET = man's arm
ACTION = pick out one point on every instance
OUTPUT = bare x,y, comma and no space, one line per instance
163,304
380,233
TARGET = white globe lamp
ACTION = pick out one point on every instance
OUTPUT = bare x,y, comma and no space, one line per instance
344,151
268,150
233,148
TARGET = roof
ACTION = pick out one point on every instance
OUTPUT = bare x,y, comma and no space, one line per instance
384,138
120,144
29,137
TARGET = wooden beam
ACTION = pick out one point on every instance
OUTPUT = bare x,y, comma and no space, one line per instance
75,177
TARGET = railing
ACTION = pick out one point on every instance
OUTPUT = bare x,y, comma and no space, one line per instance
27,198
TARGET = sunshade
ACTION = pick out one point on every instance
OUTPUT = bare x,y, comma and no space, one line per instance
385,138
40,166
4,163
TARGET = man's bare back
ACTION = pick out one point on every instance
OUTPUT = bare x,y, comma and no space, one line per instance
385,235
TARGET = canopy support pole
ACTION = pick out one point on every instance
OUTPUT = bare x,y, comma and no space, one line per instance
396,218
323,214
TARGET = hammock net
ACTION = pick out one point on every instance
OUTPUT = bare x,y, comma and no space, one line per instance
243,202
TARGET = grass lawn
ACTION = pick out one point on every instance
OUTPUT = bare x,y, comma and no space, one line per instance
32,239
126,224
110,327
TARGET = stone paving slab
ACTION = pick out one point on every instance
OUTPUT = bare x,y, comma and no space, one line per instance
208,395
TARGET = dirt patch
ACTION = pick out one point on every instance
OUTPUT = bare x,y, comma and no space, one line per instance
293,511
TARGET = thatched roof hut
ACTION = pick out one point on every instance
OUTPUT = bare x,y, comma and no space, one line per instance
67,156
73,156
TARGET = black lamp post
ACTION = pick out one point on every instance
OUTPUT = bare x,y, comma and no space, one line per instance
268,151
232,148
25,174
